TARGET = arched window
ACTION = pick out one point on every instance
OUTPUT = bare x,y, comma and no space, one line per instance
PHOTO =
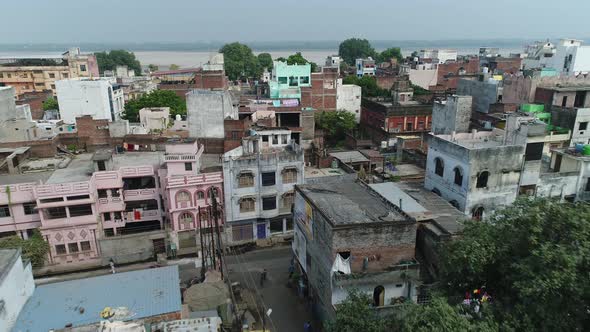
183,199
458,176
185,218
287,201
482,179
477,213
379,296
455,204
436,191
200,194
439,167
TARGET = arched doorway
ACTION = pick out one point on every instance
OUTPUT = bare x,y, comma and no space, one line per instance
378,296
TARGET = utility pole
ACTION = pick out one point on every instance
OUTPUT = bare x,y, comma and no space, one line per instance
219,245
203,268
210,213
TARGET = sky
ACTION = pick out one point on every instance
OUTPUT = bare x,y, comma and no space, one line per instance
78,21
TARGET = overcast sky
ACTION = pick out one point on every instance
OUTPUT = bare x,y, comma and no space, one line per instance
67,21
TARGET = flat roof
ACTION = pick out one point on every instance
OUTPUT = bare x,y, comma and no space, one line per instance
7,259
314,172
347,203
142,293
143,158
350,157
79,169
25,178
395,194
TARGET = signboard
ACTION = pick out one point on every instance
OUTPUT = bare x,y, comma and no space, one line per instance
303,215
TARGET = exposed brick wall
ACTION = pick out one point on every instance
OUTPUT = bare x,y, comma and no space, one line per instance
448,73
93,132
38,149
35,101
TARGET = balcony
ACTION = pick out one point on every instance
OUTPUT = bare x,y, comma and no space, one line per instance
110,204
140,194
180,158
145,215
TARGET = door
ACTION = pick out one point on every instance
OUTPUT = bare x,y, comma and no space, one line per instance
261,231
159,246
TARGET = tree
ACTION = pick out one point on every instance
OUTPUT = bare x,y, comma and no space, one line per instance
355,314
265,61
174,66
390,53
298,59
355,48
418,90
153,67
368,85
335,124
35,248
110,61
533,258
157,98
239,61
50,104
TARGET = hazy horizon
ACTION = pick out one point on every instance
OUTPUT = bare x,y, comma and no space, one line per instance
188,21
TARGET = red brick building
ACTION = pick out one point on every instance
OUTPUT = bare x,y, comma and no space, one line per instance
183,80
450,73
322,93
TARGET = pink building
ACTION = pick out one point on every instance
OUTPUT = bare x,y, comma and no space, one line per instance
187,192
18,214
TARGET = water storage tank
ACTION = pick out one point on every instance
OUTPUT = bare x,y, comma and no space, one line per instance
586,150
334,163
579,147
178,117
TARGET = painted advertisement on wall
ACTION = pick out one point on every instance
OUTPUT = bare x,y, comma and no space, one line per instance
303,215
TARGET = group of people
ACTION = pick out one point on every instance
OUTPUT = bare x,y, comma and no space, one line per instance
476,298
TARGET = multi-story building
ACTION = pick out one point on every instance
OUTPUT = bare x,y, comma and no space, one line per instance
571,58
439,55
348,98
485,91
348,237
100,98
259,177
16,123
287,80
206,112
188,193
39,74
365,67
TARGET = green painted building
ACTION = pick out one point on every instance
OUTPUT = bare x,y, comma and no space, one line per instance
287,80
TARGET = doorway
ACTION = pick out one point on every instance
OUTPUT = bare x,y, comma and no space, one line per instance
379,296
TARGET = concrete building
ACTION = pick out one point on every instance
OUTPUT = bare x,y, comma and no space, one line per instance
16,123
333,61
451,115
155,119
365,67
485,92
349,237
87,302
348,98
100,98
287,80
187,191
259,178
440,55
539,55
206,112
33,74
571,58
421,73
16,286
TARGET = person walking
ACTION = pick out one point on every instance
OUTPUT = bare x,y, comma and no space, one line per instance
112,264
262,277
307,327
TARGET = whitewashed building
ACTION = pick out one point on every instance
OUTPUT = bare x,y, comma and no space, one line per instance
100,98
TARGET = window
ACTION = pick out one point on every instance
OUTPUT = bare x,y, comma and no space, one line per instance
268,179
60,249
282,80
65,75
245,180
4,211
288,200
265,138
290,175
200,195
477,213
78,197
583,125
458,176
293,81
51,75
30,208
115,193
564,101
534,151
73,247
276,226
82,67
482,179
102,193
80,210
247,205
109,232
587,185
269,203
117,216
439,167
85,246
290,224
185,218
275,139
182,198
304,80
55,212
188,166
101,165
148,204
409,126
106,216
52,200
284,139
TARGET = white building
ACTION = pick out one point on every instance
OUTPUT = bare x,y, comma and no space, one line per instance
100,98
441,55
571,57
206,112
259,179
539,55
16,286
423,75
155,119
16,124
348,98
365,67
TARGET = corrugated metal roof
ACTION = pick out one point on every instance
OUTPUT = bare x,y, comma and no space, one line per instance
143,293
